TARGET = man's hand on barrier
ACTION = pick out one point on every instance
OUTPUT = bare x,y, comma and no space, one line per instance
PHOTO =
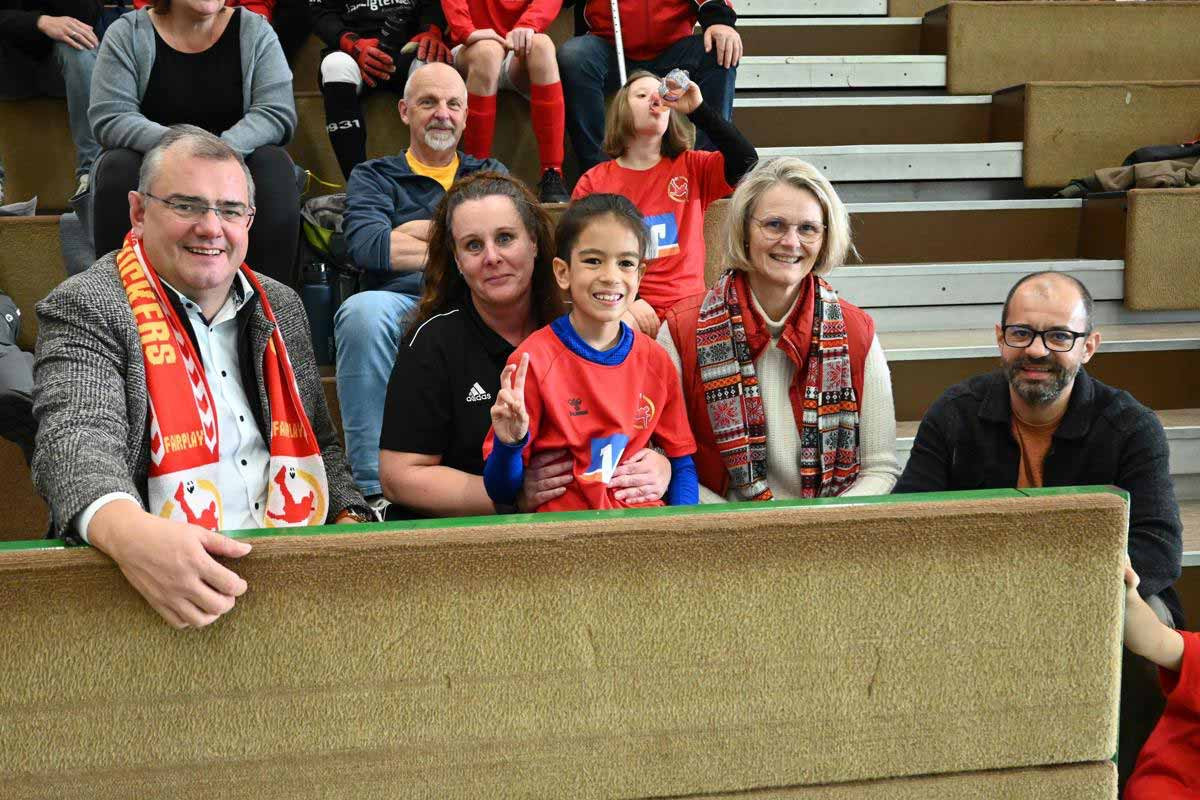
642,478
546,477
170,563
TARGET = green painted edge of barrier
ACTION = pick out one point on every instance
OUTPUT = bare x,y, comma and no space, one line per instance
630,513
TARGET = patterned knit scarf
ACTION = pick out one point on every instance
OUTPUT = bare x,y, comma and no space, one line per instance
184,447
829,422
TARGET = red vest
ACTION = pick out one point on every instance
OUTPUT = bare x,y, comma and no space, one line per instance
681,322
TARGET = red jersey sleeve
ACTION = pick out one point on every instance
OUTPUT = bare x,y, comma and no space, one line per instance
539,14
458,20
1183,687
707,168
673,432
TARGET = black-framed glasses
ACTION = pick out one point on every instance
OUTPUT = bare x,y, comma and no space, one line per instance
1058,339
190,210
775,228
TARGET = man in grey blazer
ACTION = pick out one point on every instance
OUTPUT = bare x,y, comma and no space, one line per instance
191,214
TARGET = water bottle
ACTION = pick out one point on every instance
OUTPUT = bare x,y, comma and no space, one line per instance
316,292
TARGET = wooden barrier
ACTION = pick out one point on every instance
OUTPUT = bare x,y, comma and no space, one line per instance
1071,129
38,153
1064,40
648,653
1161,267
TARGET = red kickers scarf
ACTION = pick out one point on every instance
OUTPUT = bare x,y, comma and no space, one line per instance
184,446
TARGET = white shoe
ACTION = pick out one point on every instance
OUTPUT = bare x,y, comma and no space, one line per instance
82,188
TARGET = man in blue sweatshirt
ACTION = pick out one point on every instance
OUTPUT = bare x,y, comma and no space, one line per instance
389,203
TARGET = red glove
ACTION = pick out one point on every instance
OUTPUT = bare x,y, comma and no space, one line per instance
372,62
430,46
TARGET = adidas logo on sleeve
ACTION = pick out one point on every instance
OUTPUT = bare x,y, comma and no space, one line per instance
477,394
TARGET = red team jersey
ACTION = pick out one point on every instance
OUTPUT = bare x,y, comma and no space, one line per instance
464,17
600,413
1168,767
673,196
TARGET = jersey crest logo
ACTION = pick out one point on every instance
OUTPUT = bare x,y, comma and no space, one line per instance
644,414
606,454
677,189
664,236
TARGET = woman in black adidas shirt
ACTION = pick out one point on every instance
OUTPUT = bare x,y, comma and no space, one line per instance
488,285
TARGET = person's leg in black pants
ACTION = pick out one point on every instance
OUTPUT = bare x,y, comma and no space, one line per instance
276,229
116,175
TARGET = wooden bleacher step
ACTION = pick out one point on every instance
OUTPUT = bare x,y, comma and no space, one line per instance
910,162
1189,512
862,116
839,72
831,36
819,8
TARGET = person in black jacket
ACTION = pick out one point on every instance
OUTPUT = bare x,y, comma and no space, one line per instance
374,43
1043,421
48,47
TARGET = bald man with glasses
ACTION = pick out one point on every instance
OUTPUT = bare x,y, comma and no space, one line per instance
177,394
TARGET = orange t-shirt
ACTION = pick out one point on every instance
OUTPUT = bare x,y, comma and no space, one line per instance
1034,442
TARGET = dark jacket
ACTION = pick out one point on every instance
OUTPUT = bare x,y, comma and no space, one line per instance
1105,438
383,193
332,18
91,401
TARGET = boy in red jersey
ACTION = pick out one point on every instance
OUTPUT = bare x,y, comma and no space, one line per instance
1168,767
502,44
588,383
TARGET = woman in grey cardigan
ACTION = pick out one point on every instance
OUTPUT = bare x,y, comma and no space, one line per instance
199,62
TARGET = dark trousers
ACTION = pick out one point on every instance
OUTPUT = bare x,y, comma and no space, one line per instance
273,237
588,65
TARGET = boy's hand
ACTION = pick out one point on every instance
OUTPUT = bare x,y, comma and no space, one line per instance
727,42
1145,634
520,41
510,420
483,35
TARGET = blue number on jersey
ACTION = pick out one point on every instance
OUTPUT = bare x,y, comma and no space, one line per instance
606,454
664,236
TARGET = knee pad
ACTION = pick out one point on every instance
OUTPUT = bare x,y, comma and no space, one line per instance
339,67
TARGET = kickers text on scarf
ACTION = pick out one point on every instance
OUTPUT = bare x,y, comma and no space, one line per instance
184,440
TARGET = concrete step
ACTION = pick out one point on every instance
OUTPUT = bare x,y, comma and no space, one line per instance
910,162
831,36
981,343
817,8
829,118
896,319
916,286
833,72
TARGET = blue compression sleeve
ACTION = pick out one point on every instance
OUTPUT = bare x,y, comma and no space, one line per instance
504,471
684,489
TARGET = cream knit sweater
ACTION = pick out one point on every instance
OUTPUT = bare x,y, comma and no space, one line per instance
878,468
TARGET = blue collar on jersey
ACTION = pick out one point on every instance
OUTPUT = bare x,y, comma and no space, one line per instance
611,357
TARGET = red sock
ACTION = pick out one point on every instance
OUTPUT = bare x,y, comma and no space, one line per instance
481,125
546,110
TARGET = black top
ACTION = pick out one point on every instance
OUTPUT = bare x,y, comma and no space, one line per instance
202,89
1106,437
332,18
442,389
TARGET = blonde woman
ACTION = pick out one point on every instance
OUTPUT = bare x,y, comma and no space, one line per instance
787,387
650,141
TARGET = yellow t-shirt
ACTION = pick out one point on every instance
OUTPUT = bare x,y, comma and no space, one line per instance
443,175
